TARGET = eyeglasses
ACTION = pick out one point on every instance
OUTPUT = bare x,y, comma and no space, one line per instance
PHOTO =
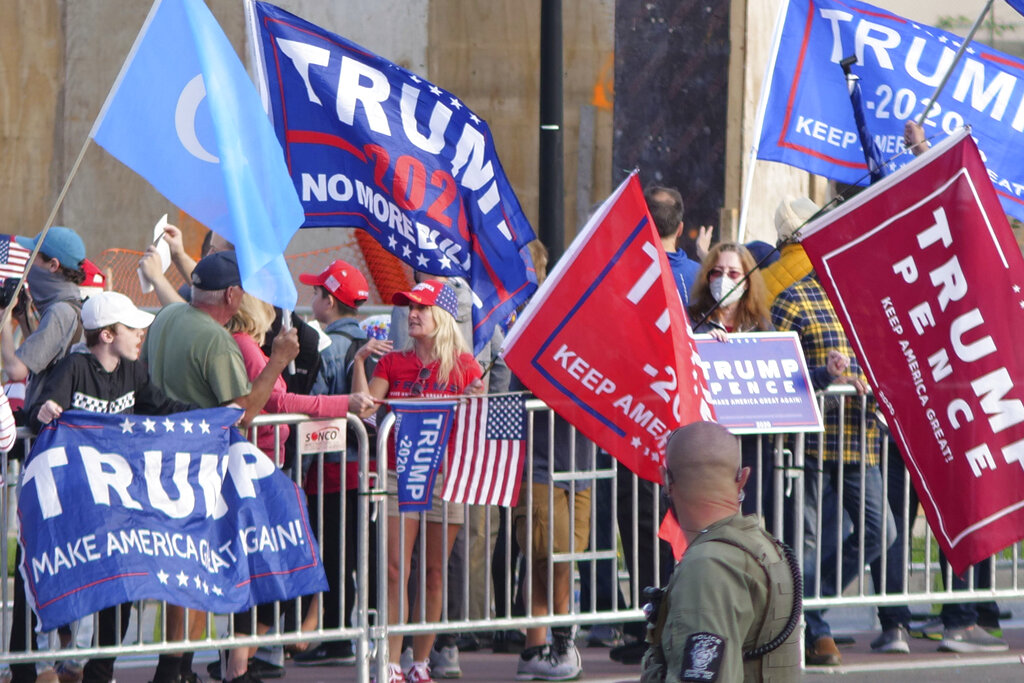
732,273
417,387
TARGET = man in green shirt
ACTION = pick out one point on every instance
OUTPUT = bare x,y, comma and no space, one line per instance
193,359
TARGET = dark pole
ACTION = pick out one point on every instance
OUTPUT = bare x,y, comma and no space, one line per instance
551,203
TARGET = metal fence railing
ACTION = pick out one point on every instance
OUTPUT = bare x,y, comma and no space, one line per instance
489,587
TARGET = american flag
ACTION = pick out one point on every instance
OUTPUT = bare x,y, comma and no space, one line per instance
487,458
13,258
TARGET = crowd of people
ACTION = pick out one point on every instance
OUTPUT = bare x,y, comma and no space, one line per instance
212,344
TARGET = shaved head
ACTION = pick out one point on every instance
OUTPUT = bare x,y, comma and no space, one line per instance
703,458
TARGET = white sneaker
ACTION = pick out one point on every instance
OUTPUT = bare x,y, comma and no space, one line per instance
444,663
542,663
564,650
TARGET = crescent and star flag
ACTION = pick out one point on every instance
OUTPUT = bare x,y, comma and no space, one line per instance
488,452
421,432
808,121
936,327
605,341
13,258
184,115
372,145
118,508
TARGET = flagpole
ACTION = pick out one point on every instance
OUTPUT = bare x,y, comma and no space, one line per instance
956,60
256,54
762,107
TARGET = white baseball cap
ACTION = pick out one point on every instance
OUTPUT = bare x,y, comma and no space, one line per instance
107,308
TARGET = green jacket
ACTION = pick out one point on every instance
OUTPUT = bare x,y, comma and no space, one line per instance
723,600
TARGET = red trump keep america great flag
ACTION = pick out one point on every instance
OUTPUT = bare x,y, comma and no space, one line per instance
605,341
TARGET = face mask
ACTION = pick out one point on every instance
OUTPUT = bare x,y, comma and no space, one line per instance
47,288
721,287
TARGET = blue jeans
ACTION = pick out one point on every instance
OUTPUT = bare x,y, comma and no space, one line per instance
876,513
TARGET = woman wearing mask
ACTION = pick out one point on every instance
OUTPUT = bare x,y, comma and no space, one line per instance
729,278
742,301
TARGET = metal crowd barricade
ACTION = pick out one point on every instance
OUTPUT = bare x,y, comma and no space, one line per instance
473,600
926,580
499,610
140,641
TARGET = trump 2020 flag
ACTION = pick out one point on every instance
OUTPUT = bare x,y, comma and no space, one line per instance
808,121
184,115
372,145
612,297
117,508
936,328
488,449
422,429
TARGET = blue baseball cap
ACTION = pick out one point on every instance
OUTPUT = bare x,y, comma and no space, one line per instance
63,244
218,270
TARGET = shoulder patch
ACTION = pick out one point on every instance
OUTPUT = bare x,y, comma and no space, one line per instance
702,657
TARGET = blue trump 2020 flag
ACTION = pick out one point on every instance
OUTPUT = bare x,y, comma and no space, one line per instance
117,508
808,121
372,145
184,115
422,429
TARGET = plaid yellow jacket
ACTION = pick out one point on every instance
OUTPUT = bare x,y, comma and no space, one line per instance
805,309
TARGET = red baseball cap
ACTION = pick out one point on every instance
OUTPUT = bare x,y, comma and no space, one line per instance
343,281
94,277
430,293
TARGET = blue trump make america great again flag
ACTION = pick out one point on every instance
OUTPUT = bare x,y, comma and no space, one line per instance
117,508
808,120
372,145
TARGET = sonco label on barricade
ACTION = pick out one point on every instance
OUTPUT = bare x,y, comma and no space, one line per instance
322,436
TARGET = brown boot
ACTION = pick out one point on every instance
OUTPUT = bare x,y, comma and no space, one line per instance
823,652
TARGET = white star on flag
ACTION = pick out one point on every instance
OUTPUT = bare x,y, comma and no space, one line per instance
474,118
392,242
216,590
406,251
456,103
149,424
445,262
206,588
414,78
163,576
635,442
435,90
1016,289
126,426
422,260
199,582
187,426
205,426
182,578
168,424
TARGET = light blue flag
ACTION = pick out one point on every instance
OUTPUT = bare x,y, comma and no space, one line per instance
185,116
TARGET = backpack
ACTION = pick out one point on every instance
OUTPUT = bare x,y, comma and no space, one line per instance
355,343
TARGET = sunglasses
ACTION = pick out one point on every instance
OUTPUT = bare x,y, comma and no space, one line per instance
732,273
417,387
